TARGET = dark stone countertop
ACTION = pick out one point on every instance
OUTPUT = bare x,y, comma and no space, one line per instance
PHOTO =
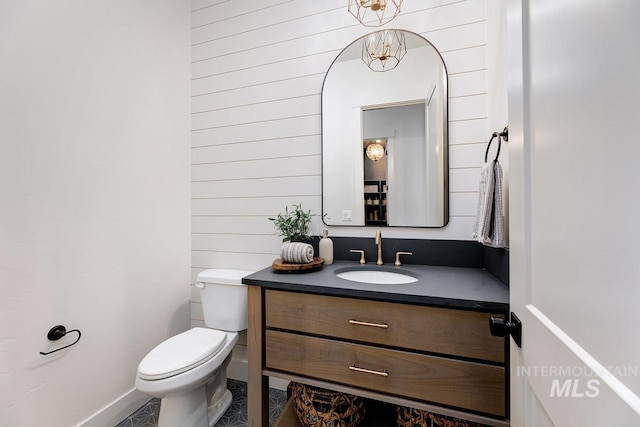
450,287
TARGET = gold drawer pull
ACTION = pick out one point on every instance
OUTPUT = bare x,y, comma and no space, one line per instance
368,371
375,325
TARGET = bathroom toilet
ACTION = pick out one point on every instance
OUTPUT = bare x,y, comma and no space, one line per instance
188,371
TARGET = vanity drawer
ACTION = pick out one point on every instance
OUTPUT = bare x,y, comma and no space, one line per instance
467,385
437,330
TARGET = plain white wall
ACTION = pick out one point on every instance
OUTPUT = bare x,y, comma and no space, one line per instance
257,73
94,218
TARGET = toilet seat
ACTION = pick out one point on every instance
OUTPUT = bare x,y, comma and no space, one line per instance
181,353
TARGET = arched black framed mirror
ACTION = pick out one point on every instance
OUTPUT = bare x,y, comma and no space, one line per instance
403,109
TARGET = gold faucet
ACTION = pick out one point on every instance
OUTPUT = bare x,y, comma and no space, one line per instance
379,244
398,263
361,252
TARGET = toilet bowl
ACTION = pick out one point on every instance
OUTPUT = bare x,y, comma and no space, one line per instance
188,370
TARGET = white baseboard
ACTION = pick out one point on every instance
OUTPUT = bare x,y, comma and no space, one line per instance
118,410
278,383
128,403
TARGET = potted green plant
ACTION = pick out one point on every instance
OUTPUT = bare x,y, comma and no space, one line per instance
293,225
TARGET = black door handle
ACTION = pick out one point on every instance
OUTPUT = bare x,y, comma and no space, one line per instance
500,328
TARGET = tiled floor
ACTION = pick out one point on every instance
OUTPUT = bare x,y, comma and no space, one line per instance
236,416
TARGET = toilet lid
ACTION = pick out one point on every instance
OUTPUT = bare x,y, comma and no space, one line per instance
181,353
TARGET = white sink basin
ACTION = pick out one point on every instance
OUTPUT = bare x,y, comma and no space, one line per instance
375,276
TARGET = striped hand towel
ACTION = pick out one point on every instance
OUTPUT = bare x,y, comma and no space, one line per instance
489,225
296,253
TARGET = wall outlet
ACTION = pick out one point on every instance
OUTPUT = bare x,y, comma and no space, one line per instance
347,215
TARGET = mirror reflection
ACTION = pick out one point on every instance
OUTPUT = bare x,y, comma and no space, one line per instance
384,138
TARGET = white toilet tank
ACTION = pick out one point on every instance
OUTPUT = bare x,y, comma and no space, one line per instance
224,298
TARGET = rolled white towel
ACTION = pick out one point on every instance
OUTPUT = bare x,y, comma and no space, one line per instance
297,252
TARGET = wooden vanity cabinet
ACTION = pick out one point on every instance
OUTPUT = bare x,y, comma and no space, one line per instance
432,358
421,328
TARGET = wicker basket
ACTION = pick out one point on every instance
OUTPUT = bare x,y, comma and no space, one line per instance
411,417
317,407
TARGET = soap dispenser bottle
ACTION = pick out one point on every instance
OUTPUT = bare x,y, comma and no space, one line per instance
326,248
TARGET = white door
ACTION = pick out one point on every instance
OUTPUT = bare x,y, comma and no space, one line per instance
574,143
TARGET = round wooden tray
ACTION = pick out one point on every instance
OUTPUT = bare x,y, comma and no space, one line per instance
287,267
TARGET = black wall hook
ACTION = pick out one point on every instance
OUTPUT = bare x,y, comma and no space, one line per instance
505,134
58,332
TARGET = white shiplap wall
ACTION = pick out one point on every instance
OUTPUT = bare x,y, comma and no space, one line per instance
257,72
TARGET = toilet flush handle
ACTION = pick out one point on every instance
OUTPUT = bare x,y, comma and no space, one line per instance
199,285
